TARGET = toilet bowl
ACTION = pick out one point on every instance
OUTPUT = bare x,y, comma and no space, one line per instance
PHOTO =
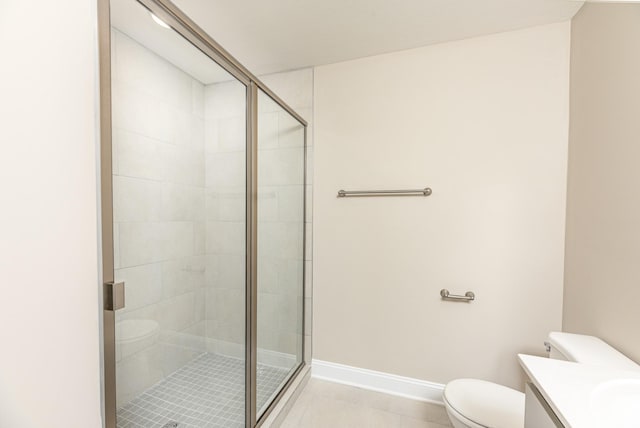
474,403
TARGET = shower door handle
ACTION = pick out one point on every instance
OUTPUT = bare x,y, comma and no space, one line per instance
113,296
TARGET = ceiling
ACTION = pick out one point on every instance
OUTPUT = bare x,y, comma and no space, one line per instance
275,35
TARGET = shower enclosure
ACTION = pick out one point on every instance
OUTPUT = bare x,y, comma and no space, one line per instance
203,178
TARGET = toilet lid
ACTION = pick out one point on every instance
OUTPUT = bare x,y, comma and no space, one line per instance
486,403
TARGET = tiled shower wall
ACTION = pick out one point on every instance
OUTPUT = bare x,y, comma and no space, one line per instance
279,216
159,200
178,153
296,89
225,130
280,231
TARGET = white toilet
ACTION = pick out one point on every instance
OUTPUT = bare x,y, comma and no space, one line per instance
473,403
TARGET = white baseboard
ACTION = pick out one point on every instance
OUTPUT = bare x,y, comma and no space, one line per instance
407,387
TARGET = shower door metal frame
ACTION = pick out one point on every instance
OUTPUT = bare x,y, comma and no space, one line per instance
183,25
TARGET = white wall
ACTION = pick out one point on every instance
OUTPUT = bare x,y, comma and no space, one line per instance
603,238
49,364
483,122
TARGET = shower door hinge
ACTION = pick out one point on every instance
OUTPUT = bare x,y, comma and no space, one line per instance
113,296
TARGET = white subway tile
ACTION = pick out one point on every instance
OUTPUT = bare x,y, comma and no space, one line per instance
171,357
176,239
197,133
227,306
291,203
268,273
182,275
225,238
232,134
138,156
149,312
225,99
197,98
267,203
212,271
152,74
268,310
281,167
143,285
137,112
291,280
213,200
183,129
182,202
136,199
183,165
268,130
135,374
226,169
280,240
199,238
226,204
211,135
233,204
139,243
177,313
200,310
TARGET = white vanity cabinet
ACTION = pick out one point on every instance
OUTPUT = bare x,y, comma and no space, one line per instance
537,413
579,395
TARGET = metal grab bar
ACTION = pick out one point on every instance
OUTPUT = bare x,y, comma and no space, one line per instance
468,296
413,192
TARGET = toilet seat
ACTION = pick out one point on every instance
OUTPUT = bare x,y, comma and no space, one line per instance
457,419
485,403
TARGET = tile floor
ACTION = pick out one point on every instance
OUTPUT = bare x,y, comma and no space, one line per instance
208,392
325,404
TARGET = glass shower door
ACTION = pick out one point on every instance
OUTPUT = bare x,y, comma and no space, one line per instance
281,153
179,192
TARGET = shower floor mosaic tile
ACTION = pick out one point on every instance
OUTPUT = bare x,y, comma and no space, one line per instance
207,392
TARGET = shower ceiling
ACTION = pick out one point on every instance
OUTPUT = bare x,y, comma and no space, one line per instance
137,23
277,35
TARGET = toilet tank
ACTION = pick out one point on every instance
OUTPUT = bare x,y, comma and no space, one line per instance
579,348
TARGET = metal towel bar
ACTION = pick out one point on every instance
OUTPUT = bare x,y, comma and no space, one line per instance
468,296
411,192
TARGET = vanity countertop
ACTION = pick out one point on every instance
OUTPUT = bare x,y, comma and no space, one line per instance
586,396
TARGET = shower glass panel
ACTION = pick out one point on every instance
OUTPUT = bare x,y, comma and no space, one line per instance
281,153
179,206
